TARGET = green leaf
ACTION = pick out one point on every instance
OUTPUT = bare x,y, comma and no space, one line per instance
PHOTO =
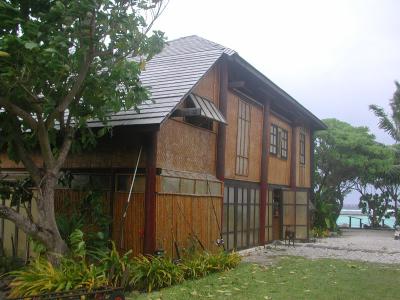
31,45
4,54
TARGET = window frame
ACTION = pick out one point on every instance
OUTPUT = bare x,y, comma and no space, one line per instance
243,138
273,144
284,143
302,152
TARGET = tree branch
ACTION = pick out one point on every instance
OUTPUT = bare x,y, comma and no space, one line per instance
44,144
76,87
25,158
19,112
66,146
20,221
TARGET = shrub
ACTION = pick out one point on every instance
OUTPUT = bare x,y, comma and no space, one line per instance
118,267
203,263
150,273
41,276
320,232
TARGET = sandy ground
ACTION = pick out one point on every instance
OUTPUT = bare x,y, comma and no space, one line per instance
365,245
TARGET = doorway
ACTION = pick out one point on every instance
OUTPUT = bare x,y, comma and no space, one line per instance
277,214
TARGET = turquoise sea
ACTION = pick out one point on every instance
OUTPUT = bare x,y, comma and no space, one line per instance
356,215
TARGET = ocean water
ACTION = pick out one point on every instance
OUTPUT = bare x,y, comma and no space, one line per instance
355,223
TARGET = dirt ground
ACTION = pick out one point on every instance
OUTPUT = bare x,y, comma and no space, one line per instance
364,245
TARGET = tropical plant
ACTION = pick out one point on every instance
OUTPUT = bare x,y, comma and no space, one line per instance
152,273
376,206
63,63
118,267
346,157
391,124
203,263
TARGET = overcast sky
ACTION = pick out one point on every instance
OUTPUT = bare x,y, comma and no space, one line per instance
335,57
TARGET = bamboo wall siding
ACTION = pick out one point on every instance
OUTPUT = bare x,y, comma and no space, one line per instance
256,121
279,169
208,87
117,152
303,178
134,222
180,216
186,148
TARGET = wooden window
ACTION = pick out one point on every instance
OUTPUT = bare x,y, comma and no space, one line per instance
273,147
243,139
302,148
124,181
278,141
284,143
186,186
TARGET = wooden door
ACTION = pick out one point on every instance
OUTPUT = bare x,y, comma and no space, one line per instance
128,236
277,215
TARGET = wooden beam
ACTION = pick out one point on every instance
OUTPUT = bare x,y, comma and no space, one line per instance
264,171
236,84
223,106
186,112
150,196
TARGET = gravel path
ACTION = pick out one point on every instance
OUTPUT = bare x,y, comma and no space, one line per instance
365,245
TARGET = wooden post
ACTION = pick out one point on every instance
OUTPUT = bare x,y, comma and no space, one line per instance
349,221
223,106
293,157
312,192
221,137
312,164
264,171
150,196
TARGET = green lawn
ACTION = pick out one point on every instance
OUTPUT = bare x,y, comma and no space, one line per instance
292,278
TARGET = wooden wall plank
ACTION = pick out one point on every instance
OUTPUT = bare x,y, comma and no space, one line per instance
232,135
191,215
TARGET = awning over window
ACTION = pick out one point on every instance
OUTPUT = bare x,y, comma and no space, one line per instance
207,108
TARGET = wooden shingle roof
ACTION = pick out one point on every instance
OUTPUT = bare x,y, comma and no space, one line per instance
170,76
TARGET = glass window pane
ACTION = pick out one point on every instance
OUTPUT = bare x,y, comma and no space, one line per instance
215,188
187,186
301,215
231,195
301,232
80,181
301,197
288,197
100,182
201,187
289,215
170,184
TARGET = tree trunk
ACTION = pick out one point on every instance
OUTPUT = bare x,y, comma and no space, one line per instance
396,214
54,243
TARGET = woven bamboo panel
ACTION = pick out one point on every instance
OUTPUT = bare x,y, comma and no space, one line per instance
119,151
208,86
186,148
180,217
279,169
256,123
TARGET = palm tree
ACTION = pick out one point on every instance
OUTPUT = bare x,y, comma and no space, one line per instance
391,124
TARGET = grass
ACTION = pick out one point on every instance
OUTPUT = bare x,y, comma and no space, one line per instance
292,278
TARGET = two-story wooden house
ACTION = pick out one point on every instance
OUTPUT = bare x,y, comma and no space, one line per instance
224,151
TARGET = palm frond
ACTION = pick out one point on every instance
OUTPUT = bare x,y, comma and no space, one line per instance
384,122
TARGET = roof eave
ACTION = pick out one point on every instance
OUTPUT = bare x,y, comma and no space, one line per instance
317,123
